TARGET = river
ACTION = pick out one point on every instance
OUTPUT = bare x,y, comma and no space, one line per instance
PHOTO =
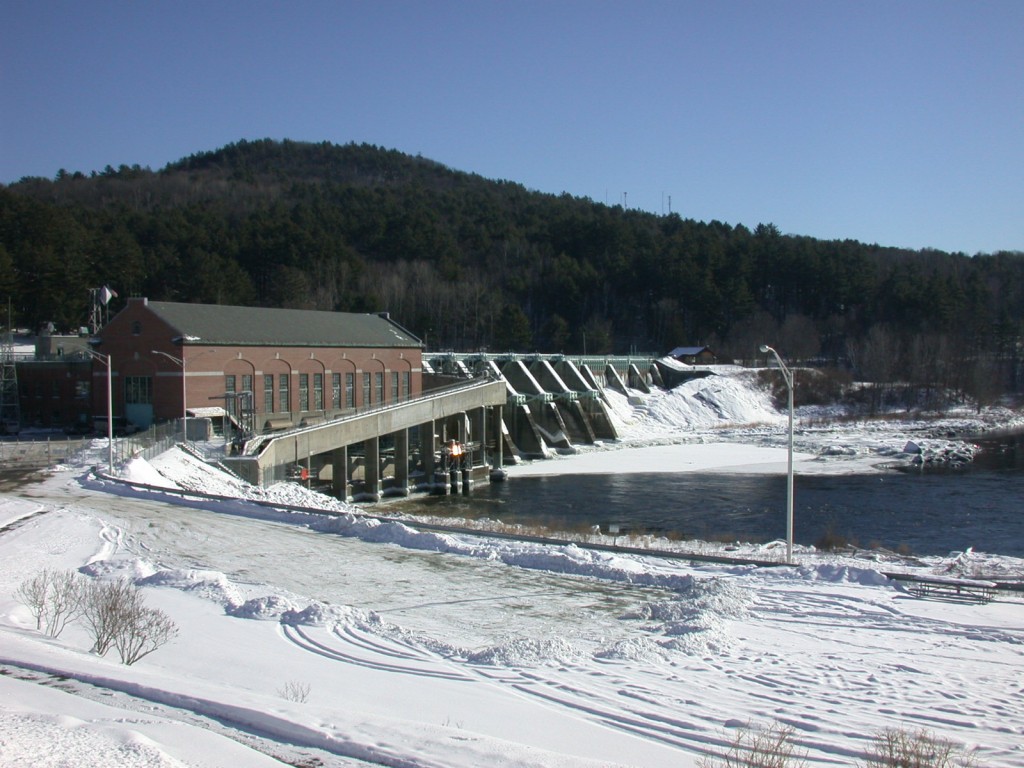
930,512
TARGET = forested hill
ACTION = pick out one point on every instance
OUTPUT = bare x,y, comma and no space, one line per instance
467,263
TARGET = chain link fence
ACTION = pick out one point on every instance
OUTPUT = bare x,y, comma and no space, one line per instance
148,444
27,452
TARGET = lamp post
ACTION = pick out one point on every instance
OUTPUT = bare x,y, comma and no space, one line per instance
184,408
110,406
787,374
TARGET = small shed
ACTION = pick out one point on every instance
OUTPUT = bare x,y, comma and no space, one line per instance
694,355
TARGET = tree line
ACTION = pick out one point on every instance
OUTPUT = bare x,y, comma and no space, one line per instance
469,263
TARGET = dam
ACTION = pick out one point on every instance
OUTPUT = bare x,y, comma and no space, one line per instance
477,413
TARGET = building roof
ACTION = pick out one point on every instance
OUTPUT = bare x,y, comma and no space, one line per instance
261,326
687,351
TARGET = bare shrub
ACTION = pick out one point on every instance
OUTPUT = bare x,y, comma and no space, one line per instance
54,598
295,691
145,630
33,593
117,617
106,605
67,590
898,748
831,540
769,746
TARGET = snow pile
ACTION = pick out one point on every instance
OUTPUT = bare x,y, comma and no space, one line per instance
193,474
642,650
695,623
314,615
130,568
212,585
527,651
839,574
265,608
712,401
182,470
139,470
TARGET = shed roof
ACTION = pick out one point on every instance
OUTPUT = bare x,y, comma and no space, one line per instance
687,351
261,326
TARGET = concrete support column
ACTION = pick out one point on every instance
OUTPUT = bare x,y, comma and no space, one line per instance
339,472
481,432
427,451
402,462
498,457
466,432
372,468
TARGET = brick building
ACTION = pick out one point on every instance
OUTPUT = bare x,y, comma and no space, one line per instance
55,393
267,367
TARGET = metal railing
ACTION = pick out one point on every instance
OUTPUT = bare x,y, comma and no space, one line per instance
256,442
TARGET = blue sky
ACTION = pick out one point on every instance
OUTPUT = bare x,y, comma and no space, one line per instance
900,122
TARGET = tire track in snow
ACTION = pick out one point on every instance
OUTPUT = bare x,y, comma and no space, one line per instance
612,708
369,643
606,702
302,639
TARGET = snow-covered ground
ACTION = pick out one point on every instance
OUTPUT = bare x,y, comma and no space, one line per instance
331,638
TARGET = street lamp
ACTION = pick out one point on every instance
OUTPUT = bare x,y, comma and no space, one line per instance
787,374
110,406
184,408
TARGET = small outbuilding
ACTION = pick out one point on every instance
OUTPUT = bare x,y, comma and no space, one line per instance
694,355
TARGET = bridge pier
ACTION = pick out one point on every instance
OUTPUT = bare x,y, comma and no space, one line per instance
371,469
401,487
339,472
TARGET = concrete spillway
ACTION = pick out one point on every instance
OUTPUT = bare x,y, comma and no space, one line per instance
555,402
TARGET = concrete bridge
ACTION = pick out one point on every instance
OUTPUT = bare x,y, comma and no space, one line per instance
388,450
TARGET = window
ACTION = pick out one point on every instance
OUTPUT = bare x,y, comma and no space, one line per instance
82,390
318,391
407,384
247,382
394,386
378,389
138,390
303,391
350,390
367,395
283,394
136,328
229,383
268,392
336,390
